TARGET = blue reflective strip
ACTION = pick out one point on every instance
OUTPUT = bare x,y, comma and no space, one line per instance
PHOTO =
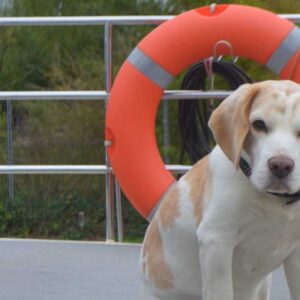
150,68
285,51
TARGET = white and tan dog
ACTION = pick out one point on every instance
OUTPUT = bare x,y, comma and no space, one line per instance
219,234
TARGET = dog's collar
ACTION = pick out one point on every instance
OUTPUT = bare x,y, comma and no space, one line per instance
245,167
292,198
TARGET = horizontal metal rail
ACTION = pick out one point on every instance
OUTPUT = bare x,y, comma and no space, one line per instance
102,95
73,169
100,20
83,21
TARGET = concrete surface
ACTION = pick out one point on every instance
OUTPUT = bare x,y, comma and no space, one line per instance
48,270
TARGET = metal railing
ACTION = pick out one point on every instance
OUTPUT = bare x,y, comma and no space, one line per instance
72,169
108,22
103,95
101,20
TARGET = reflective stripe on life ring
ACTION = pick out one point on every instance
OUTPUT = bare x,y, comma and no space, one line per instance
285,51
149,68
166,51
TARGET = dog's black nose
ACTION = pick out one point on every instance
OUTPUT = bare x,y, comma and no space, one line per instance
281,166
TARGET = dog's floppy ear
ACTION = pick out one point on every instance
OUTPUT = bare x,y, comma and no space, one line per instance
229,122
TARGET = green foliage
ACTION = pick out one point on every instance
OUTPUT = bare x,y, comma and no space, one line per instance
134,225
71,58
26,216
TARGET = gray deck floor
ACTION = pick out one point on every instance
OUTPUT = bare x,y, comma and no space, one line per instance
44,270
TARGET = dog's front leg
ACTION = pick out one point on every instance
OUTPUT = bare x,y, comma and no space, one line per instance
215,254
292,271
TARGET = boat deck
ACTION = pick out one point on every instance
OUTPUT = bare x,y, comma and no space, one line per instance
44,270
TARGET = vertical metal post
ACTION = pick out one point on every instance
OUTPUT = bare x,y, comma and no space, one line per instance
108,70
110,228
9,147
119,212
166,129
110,198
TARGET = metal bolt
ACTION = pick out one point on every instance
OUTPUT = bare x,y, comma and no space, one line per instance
107,143
212,8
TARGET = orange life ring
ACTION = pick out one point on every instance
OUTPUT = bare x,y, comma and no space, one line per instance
173,46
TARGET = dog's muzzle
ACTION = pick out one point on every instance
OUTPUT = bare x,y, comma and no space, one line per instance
290,198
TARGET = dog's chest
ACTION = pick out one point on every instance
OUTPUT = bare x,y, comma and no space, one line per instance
265,243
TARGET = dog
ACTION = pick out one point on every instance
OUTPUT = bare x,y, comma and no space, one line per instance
231,220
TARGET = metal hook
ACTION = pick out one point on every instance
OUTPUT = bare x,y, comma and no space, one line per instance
228,44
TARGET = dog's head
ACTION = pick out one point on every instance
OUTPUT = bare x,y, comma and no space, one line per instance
261,122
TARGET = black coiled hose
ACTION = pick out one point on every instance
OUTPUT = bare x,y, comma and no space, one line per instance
193,116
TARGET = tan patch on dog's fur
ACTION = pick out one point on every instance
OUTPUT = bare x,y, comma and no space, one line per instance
270,100
279,109
199,181
169,210
154,263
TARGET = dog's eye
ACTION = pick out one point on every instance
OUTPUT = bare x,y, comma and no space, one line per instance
259,125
